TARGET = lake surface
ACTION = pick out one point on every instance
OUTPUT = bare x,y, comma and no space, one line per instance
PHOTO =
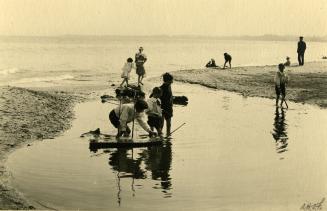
234,153
26,61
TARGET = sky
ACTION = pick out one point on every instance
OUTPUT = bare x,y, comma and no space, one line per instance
163,17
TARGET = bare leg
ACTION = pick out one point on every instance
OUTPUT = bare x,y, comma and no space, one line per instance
277,98
224,64
123,82
230,64
141,79
138,80
168,126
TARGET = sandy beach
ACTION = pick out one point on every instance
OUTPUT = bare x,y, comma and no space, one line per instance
307,83
29,115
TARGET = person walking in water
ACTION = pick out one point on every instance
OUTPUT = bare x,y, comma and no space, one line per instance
228,58
126,70
301,47
281,79
140,59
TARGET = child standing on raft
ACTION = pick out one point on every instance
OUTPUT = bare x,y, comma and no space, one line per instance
154,111
281,79
127,68
167,101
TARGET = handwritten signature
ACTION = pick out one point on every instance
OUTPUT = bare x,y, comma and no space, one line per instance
312,206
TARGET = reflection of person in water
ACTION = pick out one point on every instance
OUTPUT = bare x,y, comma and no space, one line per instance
279,132
121,161
157,159
159,163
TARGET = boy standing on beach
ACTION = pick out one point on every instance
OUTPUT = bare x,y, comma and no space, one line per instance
281,80
140,59
167,101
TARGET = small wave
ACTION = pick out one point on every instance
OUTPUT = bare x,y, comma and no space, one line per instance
9,71
44,79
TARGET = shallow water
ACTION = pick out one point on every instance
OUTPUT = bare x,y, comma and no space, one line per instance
50,61
234,153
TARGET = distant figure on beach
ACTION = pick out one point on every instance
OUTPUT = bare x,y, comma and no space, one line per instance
301,47
281,79
167,101
154,111
127,68
211,63
126,113
288,62
140,59
228,58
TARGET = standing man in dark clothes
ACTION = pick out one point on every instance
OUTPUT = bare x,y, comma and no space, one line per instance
167,101
301,46
228,58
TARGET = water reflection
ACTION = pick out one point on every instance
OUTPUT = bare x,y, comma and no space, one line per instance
138,163
280,130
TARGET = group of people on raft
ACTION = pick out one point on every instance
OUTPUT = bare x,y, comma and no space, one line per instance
158,108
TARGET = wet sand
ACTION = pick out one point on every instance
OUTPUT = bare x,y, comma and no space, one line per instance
308,83
27,115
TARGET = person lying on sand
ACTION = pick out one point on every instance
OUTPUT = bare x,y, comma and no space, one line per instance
288,62
211,63
126,113
281,79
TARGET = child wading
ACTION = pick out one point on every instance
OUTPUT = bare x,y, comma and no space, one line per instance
281,80
154,111
127,68
126,113
167,101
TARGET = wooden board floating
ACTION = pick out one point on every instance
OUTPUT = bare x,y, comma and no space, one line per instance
109,141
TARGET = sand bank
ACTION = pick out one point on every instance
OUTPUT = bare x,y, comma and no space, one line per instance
27,115
308,83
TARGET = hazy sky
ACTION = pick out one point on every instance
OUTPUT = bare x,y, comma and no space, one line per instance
171,17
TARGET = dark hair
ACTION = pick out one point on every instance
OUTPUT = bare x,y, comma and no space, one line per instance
281,66
140,105
167,77
156,90
129,59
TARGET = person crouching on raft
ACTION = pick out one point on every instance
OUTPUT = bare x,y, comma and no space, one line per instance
126,113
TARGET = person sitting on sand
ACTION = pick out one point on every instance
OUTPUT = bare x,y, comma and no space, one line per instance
228,58
211,63
140,59
288,62
154,111
126,113
127,68
281,79
167,101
